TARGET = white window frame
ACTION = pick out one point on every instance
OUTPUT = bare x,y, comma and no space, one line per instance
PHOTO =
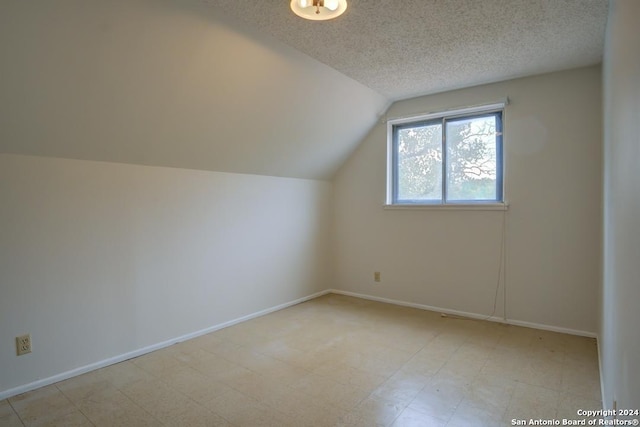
480,205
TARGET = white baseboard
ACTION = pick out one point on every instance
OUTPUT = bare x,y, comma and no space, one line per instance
122,357
467,314
116,359
601,370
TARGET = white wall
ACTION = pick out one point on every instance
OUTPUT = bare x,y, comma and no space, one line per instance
450,259
171,83
100,259
619,333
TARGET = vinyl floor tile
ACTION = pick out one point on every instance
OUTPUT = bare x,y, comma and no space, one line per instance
332,361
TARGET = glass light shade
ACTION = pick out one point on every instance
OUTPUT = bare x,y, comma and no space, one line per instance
331,4
306,9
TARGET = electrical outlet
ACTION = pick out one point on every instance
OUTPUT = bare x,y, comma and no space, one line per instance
23,344
376,276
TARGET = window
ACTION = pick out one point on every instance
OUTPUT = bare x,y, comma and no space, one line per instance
452,158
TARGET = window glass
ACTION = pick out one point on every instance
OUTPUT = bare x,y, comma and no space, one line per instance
454,159
419,160
472,167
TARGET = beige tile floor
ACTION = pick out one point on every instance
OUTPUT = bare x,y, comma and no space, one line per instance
333,361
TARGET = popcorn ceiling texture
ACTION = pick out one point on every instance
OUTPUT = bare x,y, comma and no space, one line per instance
407,48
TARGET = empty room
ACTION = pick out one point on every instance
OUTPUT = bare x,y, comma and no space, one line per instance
319,213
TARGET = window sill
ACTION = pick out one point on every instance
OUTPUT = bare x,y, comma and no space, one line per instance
451,207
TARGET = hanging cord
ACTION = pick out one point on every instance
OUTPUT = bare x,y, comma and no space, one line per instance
504,266
500,273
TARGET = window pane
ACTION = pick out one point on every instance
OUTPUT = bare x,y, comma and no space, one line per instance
471,159
419,163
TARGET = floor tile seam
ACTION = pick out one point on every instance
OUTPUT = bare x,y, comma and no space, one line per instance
157,375
389,424
326,402
135,403
229,360
165,380
226,384
16,412
405,406
213,353
254,372
86,417
277,410
204,374
504,415
484,363
212,412
568,373
556,401
583,396
412,355
387,378
236,389
289,365
325,376
484,408
276,358
173,416
440,368
463,395
558,390
415,355
568,394
75,404
374,396
588,366
433,416
537,358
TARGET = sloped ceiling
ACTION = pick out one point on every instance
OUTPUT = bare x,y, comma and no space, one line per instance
171,83
246,86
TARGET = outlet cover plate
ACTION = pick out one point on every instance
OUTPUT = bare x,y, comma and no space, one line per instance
23,344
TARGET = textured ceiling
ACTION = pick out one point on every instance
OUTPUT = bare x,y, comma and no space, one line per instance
246,86
171,83
405,48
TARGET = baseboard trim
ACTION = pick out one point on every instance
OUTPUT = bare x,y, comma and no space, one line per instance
467,314
130,355
601,370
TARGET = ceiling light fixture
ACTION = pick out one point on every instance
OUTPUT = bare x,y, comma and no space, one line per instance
318,10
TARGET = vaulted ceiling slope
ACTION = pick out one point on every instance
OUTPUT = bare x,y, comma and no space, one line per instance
406,48
171,83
